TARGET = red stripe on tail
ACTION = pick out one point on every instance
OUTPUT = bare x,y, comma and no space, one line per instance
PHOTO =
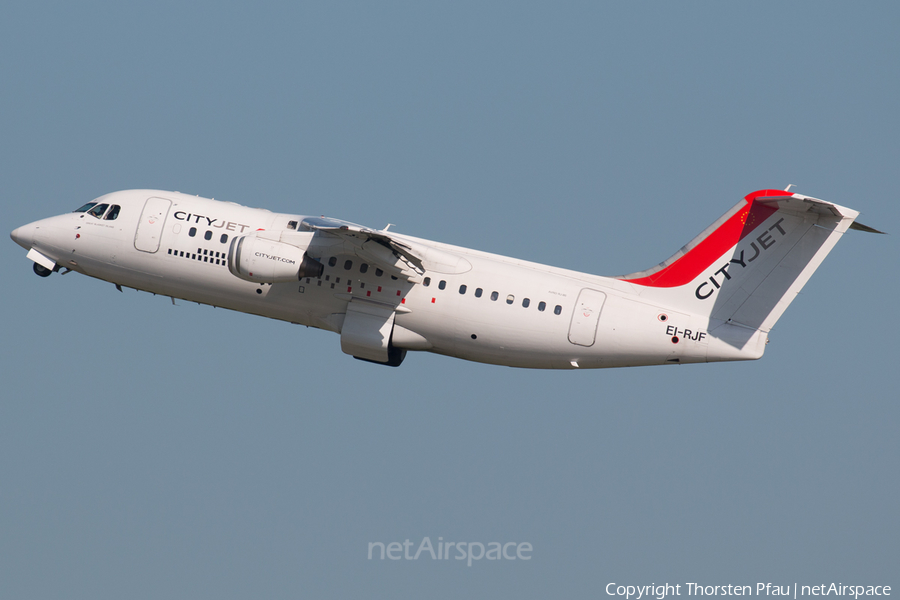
697,259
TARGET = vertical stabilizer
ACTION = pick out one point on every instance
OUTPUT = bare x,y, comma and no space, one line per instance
747,267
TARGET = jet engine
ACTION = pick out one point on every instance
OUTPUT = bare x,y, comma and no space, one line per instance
259,260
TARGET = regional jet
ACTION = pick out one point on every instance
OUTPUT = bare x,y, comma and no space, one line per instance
386,293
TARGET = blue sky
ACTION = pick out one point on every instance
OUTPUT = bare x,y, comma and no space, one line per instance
154,451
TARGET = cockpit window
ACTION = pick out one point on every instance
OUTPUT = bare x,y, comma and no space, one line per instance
98,210
87,207
113,213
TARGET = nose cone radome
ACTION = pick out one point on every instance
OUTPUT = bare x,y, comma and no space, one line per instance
23,236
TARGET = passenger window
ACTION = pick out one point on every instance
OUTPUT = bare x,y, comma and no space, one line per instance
98,210
494,296
525,303
332,261
113,213
478,292
363,268
224,238
462,289
510,299
542,305
442,284
348,264
192,232
378,272
427,281
207,236
557,310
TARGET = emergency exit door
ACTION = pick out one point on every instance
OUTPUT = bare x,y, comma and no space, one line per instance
583,329
150,227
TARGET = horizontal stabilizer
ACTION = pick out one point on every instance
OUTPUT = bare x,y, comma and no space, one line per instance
860,227
806,204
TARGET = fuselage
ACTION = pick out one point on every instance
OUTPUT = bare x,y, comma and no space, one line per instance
460,302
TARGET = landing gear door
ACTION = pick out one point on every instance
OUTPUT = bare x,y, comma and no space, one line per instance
366,332
150,227
583,329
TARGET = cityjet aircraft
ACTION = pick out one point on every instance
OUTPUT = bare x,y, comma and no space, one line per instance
385,293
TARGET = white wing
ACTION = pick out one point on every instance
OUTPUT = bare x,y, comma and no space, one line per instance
377,247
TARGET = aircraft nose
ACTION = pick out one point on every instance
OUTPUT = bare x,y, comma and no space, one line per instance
23,236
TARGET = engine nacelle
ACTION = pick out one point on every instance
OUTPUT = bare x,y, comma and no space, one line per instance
259,260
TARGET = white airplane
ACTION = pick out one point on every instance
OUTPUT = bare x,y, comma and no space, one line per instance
385,293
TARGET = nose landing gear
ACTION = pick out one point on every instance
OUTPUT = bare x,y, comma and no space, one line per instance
42,271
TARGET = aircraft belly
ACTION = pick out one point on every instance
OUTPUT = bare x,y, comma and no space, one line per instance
483,336
627,334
